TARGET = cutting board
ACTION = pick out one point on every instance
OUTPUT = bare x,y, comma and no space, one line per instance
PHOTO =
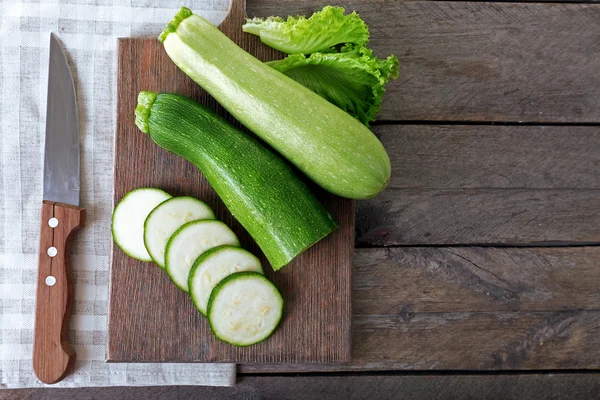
150,319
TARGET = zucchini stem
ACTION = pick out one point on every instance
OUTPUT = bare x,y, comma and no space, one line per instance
172,26
142,110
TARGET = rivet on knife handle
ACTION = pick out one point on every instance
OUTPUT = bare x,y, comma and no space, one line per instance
52,353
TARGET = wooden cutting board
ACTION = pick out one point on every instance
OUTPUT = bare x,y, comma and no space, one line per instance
150,319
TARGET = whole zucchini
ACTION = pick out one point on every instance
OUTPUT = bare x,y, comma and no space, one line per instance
261,190
331,147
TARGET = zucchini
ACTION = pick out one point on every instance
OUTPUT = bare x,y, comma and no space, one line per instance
331,147
128,220
166,218
189,242
262,191
244,309
214,265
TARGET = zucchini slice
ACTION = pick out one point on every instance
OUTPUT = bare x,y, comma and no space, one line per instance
244,309
128,220
166,218
189,242
213,266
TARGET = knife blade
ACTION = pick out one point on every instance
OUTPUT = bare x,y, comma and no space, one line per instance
61,155
61,216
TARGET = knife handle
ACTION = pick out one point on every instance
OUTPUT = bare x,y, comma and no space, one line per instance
52,352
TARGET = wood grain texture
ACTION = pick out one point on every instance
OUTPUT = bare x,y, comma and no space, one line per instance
486,185
466,341
52,353
480,61
492,156
474,279
150,319
382,387
471,309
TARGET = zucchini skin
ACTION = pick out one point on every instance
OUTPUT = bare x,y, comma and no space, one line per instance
331,147
261,190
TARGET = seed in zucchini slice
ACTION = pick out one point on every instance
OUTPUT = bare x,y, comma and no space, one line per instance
189,242
166,218
213,266
244,309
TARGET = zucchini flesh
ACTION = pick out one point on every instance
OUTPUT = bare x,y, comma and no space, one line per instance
166,218
331,147
189,242
128,220
264,193
244,309
213,266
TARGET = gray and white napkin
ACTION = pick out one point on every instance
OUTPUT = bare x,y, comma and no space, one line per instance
88,30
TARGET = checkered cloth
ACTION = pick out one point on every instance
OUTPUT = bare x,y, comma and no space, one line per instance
88,30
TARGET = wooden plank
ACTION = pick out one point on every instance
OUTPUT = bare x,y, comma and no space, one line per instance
444,280
492,156
479,216
150,319
486,184
471,309
456,387
481,61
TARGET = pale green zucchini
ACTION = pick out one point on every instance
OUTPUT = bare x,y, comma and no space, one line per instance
331,147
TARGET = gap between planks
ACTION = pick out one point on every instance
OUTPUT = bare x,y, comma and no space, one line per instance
486,185
470,309
383,122
242,371
540,245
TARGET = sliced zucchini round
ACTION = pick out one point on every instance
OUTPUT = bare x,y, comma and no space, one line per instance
244,309
128,220
214,265
191,240
166,218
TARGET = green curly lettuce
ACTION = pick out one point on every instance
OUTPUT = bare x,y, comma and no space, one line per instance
322,30
352,79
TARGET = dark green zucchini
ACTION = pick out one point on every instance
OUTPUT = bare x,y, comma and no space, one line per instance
262,191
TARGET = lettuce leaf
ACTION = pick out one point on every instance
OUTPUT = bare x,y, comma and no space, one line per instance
352,79
322,30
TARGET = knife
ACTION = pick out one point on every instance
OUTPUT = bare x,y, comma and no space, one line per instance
61,217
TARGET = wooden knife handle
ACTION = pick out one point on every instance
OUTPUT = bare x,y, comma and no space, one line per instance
52,352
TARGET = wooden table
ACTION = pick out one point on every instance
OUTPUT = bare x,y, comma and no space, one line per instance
482,255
